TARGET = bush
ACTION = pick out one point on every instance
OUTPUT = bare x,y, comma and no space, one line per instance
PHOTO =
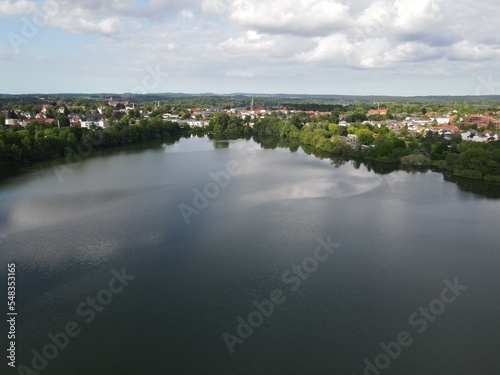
468,173
491,178
416,159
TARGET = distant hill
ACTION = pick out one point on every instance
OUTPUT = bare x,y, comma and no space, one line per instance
245,98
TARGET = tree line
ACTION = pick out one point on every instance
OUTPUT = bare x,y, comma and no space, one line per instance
472,160
39,142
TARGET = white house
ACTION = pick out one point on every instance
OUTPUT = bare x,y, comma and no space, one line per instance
11,122
493,136
441,120
480,137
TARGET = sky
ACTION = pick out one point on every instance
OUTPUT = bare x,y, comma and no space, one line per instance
342,47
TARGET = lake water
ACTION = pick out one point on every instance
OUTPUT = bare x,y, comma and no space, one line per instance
403,257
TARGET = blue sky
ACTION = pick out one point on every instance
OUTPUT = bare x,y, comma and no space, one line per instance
364,47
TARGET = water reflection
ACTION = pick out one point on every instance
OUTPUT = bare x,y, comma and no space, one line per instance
481,188
121,210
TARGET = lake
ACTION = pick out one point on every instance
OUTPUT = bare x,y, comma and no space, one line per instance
221,257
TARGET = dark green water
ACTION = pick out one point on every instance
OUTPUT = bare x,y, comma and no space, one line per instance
401,235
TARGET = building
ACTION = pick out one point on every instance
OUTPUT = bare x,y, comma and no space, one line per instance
11,122
381,111
49,121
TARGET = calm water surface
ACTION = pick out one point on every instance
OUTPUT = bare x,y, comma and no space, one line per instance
401,236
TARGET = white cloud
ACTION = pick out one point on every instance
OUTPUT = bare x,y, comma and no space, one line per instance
413,52
467,51
223,40
18,8
301,17
105,26
337,50
213,7
261,45
416,16
374,20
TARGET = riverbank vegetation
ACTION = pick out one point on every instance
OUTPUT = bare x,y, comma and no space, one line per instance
472,160
39,142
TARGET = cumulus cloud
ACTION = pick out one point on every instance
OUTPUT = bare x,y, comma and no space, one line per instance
413,52
213,7
383,33
18,8
253,43
467,51
106,26
75,16
302,17
414,17
337,50
375,20
257,38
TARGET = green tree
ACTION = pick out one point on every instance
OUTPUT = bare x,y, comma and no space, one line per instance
219,122
365,136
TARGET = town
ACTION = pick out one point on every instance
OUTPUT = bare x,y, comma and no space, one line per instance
417,134
474,125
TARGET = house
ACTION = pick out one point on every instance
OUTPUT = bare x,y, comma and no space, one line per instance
351,140
482,121
86,121
480,137
38,121
447,135
475,136
75,122
169,116
95,119
257,110
412,121
195,123
492,136
27,115
11,122
440,120
122,104
468,135
372,112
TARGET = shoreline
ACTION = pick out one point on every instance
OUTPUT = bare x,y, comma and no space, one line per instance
379,167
